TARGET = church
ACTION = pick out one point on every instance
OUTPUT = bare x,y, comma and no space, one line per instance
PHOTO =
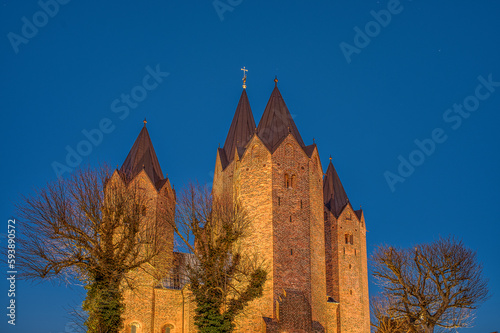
303,226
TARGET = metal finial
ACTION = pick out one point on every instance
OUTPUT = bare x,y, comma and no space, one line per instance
145,122
244,77
314,140
276,80
330,158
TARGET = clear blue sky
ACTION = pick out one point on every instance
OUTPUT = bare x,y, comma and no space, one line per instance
397,88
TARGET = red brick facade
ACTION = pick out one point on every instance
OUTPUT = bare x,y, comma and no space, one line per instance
315,255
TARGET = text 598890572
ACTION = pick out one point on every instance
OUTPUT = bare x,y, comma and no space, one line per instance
11,272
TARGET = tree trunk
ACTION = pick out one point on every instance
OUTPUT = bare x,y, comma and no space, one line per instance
104,304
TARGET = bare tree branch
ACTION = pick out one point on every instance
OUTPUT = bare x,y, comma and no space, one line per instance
436,285
90,227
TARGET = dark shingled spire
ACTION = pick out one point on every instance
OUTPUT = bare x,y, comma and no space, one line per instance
242,128
277,122
143,156
334,194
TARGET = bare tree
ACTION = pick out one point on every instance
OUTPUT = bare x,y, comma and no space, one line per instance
385,318
224,277
435,285
90,228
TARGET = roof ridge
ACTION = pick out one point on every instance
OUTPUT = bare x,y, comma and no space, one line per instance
242,127
143,156
277,122
334,195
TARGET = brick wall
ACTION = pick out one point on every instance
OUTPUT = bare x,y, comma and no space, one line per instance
349,279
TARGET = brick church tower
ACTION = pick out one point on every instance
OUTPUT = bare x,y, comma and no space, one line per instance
303,227
144,311
346,259
279,179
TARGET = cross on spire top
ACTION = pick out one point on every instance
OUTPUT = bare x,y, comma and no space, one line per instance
244,77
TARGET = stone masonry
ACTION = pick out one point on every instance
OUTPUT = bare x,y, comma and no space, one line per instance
304,228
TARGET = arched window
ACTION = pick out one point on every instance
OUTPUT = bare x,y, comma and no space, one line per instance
255,151
135,328
287,181
349,239
289,151
167,329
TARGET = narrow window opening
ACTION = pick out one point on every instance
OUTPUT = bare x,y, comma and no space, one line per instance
350,266
279,201
350,291
290,218
287,181
354,251
291,252
351,239
167,329
300,204
347,238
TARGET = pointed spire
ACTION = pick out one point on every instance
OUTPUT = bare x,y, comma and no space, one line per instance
142,156
334,195
242,128
277,122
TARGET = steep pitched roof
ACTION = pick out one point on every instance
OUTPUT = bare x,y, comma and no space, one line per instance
359,213
143,156
334,194
242,128
277,122
309,149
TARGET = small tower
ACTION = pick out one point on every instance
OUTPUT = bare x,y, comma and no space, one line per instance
346,261
142,169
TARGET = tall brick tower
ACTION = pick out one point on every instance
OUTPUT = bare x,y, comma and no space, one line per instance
303,227
280,181
141,168
346,262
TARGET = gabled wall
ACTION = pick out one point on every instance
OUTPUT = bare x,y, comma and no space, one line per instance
347,278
